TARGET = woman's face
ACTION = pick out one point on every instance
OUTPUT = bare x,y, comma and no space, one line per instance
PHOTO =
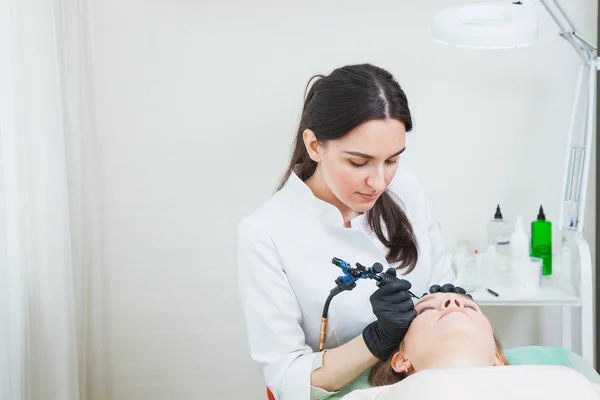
448,322
359,167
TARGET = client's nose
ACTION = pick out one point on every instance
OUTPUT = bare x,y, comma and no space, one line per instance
453,302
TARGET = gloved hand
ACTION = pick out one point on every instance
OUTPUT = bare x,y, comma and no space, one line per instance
447,288
394,309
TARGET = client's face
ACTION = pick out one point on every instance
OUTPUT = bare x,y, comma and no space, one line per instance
448,325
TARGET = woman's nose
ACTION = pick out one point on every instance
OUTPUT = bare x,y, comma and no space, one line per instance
452,302
377,180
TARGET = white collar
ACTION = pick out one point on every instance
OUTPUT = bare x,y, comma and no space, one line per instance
303,199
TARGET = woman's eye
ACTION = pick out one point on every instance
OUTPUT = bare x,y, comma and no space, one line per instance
391,162
357,164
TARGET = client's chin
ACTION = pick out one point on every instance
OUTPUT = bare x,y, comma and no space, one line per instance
461,351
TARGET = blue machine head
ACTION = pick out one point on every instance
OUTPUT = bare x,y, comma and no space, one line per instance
351,275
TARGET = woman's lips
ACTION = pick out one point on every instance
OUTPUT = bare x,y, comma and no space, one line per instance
369,197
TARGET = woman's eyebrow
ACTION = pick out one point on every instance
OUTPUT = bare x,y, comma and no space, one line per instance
363,155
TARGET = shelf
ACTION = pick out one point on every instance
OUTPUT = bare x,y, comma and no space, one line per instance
554,292
576,290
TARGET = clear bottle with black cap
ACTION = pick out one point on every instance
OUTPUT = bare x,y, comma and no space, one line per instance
498,233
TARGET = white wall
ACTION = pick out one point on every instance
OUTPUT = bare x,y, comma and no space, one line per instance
197,103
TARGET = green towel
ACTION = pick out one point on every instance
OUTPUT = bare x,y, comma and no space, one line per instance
532,355
529,355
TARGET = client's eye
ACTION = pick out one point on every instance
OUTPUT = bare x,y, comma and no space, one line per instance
425,308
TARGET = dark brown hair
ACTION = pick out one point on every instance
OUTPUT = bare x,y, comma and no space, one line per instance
334,106
382,373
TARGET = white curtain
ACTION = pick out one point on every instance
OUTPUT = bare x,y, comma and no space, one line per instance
52,304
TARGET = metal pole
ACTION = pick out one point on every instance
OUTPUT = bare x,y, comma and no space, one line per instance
567,194
597,290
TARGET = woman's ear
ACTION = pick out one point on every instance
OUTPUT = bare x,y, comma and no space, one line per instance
399,363
498,361
312,145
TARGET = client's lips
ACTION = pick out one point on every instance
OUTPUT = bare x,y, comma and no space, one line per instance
450,311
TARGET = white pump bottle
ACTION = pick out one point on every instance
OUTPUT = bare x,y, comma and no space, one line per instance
519,241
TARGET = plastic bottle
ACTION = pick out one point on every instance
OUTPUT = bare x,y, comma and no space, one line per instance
466,268
477,259
498,233
460,251
489,266
519,241
541,241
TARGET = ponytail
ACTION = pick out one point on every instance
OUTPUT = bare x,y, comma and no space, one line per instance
400,240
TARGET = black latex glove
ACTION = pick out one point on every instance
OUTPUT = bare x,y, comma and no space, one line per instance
395,311
447,288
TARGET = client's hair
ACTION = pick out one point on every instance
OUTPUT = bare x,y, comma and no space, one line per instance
383,374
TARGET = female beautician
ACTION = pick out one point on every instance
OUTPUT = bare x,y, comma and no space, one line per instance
341,196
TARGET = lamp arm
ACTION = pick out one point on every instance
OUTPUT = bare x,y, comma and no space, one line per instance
587,142
582,39
582,46
572,26
577,158
563,13
568,188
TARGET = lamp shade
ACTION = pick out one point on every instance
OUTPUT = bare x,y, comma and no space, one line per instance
490,25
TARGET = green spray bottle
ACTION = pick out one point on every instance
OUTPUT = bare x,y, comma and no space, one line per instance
541,241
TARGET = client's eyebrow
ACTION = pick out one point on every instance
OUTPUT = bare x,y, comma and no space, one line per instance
421,303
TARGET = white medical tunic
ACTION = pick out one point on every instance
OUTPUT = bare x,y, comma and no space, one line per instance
285,275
